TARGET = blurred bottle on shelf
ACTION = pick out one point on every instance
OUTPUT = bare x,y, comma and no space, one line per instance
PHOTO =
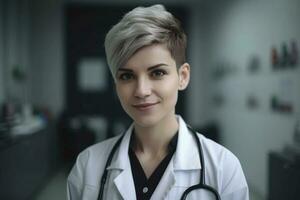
293,53
278,105
274,58
284,59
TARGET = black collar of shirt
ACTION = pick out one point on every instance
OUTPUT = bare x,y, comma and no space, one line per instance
145,187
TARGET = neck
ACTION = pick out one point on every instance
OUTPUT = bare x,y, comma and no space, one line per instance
155,139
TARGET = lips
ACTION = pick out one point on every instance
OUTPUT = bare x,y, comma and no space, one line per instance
144,106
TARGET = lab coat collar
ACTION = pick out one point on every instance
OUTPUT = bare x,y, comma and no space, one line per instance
121,160
124,180
186,156
125,184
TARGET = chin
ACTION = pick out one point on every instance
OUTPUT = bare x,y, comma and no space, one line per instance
146,121
150,118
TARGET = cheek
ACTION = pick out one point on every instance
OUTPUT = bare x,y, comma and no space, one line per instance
122,94
169,91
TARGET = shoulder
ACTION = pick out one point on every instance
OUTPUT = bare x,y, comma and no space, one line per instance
91,161
101,147
97,152
225,165
216,152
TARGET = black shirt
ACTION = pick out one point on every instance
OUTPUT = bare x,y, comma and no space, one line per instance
144,187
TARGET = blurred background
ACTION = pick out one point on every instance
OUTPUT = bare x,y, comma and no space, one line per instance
57,96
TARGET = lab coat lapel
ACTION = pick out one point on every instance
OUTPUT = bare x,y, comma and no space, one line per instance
124,180
186,156
125,185
166,183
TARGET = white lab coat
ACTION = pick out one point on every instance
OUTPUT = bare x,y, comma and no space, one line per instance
223,171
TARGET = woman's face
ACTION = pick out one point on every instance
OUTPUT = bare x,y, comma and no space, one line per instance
147,85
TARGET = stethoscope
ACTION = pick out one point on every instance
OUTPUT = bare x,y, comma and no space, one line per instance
200,185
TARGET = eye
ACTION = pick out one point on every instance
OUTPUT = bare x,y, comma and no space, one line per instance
125,76
158,73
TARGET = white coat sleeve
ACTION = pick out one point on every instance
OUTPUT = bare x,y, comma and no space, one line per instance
75,179
73,189
234,185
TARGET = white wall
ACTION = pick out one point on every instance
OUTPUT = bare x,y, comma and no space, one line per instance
239,30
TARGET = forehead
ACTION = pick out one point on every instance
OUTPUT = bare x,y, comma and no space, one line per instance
149,56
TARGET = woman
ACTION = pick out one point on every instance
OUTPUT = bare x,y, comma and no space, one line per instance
158,156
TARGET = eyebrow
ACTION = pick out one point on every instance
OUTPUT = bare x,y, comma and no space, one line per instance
149,68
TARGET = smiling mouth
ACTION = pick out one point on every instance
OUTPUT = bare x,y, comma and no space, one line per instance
144,106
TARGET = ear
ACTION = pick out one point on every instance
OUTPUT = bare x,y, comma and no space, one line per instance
184,76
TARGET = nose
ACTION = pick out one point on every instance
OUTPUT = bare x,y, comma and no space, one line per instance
143,88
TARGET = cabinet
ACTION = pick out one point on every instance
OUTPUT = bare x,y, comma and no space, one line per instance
284,177
26,162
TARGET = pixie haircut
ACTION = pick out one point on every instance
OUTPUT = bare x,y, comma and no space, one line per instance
144,26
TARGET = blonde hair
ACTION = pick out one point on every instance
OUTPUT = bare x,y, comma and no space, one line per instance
141,27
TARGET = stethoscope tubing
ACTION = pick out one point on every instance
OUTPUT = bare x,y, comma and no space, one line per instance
198,187
109,159
201,185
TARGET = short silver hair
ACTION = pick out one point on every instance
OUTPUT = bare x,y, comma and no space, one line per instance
141,27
